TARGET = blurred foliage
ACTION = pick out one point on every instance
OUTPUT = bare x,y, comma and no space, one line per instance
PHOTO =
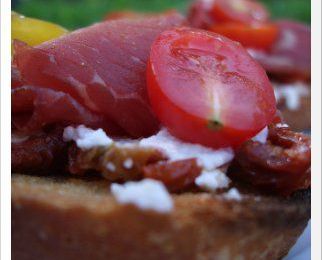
77,13
295,9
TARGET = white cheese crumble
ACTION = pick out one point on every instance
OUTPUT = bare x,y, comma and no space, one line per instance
212,180
280,125
86,138
176,149
233,194
261,136
291,93
146,195
128,163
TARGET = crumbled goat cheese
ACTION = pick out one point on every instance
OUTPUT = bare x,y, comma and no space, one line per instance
110,166
261,136
280,125
175,149
86,138
128,163
233,194
212,180
146,194
291,93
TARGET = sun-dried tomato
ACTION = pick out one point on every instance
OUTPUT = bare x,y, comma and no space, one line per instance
176,175
115,163
39,152
282,165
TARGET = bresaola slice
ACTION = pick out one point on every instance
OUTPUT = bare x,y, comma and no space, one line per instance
34,107
101,67
290,56
199,14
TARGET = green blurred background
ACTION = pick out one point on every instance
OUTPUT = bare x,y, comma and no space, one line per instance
77,13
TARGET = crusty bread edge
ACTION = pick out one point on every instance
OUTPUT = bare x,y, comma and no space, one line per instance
76,219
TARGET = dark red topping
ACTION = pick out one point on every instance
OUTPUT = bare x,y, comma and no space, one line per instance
176,175
281,166
40,152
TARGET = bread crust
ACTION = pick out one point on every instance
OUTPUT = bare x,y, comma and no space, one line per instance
69,218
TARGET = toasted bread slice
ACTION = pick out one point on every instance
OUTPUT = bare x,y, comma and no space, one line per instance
71,218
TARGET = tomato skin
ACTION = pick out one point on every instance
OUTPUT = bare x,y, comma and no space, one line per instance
181,102
239,11
185,126
260,36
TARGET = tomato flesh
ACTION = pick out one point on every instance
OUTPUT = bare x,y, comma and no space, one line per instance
260,36
206,88
239,11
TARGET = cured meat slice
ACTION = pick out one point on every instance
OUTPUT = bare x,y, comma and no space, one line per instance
34,107
102,67
199,14
290,56
16,80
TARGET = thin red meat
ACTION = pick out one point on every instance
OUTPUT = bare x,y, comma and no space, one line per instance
16,80
199,14
35,107
290,56
102,67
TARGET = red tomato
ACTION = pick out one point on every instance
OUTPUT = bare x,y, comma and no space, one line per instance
255,36
207,89
239,11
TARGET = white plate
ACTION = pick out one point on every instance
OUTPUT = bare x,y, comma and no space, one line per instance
302,249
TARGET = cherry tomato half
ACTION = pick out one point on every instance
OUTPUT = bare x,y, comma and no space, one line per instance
255,36
239,11
207,89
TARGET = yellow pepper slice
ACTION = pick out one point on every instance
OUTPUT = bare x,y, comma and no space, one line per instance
33,31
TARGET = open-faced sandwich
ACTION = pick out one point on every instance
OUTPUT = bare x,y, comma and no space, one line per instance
282,47
142,137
